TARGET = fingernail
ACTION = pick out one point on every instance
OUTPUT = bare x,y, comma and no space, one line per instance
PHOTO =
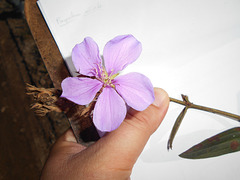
161,97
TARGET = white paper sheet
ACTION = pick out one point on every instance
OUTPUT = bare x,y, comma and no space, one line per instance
189,47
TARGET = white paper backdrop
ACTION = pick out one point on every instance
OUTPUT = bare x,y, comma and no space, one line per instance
189,47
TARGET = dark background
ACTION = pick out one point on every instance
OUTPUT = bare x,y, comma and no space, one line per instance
25,138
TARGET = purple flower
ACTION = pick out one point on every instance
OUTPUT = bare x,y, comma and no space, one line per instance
132,89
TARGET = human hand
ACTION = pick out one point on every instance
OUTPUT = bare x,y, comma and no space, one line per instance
114,155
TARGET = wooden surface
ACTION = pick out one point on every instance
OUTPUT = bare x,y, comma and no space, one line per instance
45,43
82,127
25,139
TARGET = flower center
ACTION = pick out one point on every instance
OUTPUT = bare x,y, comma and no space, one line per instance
102,75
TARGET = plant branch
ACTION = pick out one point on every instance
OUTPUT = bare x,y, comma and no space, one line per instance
188,104
185,102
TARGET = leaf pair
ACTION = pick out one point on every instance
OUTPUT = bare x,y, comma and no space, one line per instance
223,143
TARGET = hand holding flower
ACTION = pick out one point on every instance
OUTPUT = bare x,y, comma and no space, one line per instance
111,157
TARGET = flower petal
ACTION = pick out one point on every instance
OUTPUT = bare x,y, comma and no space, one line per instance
80,90
110,110
136,89
86,58
121,51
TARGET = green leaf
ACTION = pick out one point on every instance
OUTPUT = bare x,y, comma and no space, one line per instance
220,144
176,127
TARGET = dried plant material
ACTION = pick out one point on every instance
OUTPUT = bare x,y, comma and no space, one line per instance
45,99
80,117
42,109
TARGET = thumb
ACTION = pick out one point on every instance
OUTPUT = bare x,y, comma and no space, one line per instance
125,144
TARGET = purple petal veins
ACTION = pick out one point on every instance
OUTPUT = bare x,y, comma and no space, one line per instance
86,58
136,89
121,51
80,90
110,110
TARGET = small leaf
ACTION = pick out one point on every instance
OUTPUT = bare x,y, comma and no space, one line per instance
176,127
220,144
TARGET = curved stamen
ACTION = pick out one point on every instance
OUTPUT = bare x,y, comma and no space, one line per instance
102,75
